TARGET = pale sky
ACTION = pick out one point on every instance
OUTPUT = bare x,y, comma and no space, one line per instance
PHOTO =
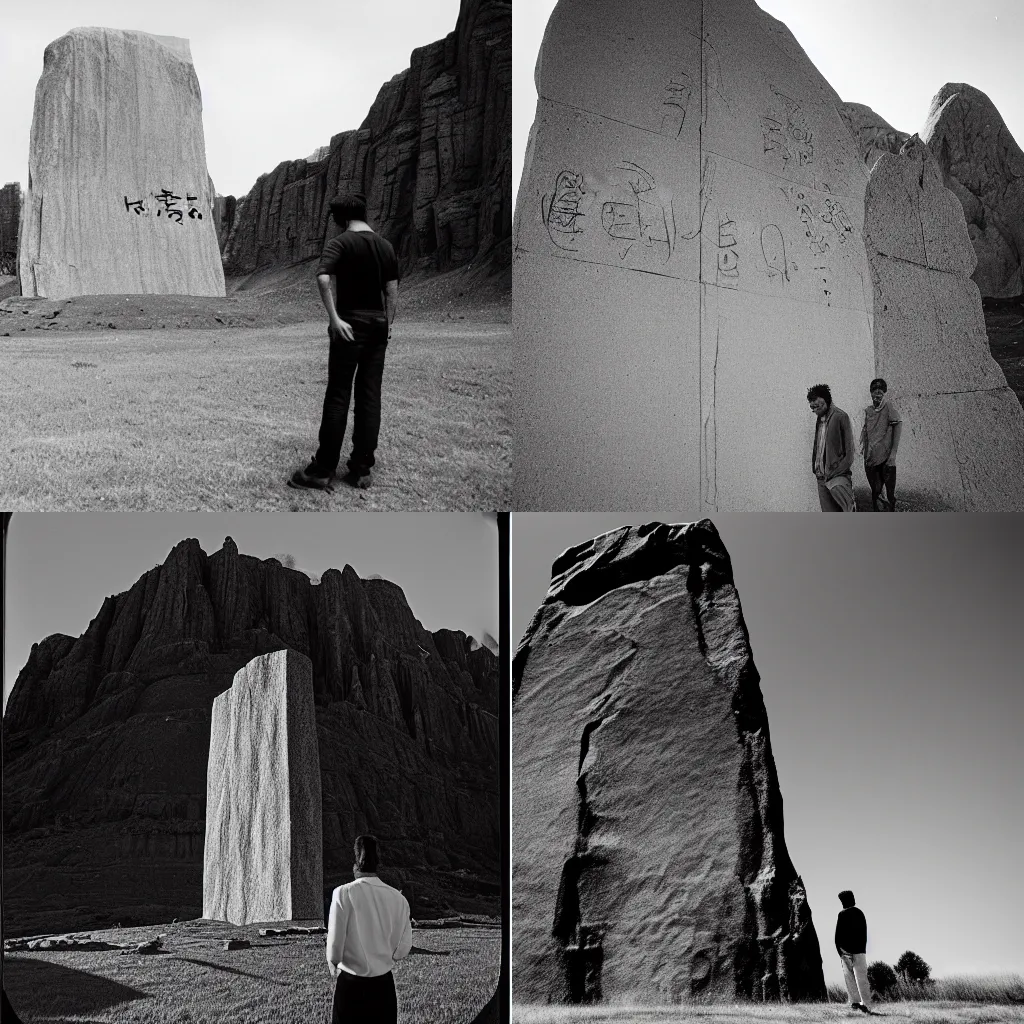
61,565
892,55
890,663
277,79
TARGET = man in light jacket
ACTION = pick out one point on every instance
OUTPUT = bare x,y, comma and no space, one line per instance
832,452
368,932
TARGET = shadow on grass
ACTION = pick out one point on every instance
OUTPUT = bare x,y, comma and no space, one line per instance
45,989
231,970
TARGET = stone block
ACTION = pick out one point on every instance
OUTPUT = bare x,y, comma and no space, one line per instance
263,855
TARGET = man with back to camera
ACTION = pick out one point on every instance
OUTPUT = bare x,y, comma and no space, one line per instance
852,944
369,929
365,269
832,452
879,439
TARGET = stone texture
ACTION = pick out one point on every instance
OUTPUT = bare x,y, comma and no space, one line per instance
871,132
963,433
224,208
10,218
984,167
263,856
649,862
433,157
689,233
106,742
119,199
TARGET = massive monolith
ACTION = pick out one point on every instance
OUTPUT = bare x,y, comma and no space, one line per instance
119,199
648,855
963,428
263,858
689,236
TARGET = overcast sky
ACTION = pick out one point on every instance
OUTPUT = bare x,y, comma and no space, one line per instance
278,79
892,55
889,650
61,565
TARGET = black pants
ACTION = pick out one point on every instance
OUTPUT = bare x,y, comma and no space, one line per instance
365,1000
363,359
879,477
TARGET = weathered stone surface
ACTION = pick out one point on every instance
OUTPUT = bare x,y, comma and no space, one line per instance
224,216
433,157
106,742
963,428
263,856
119,199
872,133
10,218
648,857
689,235
984,167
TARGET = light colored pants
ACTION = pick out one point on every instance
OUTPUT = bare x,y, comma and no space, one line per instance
855,971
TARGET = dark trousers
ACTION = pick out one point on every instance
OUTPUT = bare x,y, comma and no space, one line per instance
879,477
361,359
365,1000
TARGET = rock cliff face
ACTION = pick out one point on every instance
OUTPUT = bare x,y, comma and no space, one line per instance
648,855
263,851
873,134
433,157
10,216
984,167
107,737
119,199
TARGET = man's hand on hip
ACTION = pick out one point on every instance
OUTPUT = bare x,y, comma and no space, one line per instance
341,328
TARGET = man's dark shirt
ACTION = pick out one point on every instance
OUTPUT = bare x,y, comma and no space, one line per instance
852,931
362,262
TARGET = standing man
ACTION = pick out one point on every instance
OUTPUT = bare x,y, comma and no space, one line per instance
832,453
366,271
879,439
368,931
852,944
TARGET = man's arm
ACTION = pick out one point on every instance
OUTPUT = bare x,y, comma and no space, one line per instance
846,428
864,439
405,942
391,292
337,325
336,928
897,429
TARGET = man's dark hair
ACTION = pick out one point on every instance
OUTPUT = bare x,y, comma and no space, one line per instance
348,206
366,853
846,897
820,391
878,382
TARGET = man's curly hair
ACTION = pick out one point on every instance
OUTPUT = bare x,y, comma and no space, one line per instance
820,391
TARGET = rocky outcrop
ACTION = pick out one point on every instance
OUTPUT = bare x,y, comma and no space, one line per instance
648,855
10,217
984,167
119,200
872,133
263,851
106,741
963,428
224,217
433,157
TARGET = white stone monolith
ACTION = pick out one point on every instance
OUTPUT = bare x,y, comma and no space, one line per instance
263,859
119,199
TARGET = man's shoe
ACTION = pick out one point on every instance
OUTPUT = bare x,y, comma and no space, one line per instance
358,478
312,481
862,1008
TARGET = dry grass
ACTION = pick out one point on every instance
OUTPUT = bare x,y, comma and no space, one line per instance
277,981
191,419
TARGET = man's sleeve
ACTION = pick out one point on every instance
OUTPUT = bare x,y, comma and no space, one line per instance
839,934
405,941
329,258
894,415
336,928
847,428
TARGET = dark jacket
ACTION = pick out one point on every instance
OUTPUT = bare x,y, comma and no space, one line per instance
839,447
851,931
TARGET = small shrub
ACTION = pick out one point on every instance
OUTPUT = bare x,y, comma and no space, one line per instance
882,978
911,967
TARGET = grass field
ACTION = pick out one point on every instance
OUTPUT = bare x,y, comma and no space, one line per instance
219,419
277,981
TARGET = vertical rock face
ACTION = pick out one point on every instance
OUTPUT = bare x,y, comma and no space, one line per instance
10,216
107,738
263,858
963,428
119,199
433,157
689,234
984,166
872,133
648,855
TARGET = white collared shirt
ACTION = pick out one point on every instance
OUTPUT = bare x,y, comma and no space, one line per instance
369,927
